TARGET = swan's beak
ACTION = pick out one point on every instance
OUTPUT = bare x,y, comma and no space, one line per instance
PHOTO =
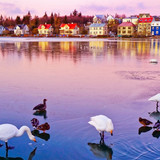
111,132
34,140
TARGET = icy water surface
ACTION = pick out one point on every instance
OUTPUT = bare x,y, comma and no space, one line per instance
80,80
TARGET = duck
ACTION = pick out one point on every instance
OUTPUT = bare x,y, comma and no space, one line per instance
144,129
35,122
144,121
41,107
157,125
155,98
8,131
44,127
102,123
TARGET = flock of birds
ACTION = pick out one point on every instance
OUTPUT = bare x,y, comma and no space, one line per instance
147,124
101,123
8,131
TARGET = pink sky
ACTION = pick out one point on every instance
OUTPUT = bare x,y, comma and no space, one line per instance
87,7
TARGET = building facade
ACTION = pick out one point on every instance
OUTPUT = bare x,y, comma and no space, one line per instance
45,29
69,29
144,25
21,29
96,29
126,29
134,20
155,28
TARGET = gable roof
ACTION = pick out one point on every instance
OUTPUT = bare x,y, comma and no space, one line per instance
101,16
47,26
97,25
126,24
71,25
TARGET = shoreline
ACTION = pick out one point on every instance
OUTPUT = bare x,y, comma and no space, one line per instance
72,39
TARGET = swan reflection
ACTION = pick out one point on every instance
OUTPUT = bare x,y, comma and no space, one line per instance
32,154
155,115
101,150
44,136
144,129
41,113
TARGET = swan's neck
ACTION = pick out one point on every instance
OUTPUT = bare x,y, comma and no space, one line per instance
44,102
22,130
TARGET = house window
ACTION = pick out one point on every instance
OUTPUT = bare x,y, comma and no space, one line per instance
100,28
157,28
100,32
123,27
129,32
124,32
156,32
129,27
152,27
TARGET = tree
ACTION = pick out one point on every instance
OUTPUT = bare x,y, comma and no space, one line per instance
52,19
75,12
18,20
80,14
57,23
65,19
35,31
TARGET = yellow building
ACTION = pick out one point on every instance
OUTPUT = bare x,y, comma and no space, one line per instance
144,24
96,29
126,29
45,29
69,29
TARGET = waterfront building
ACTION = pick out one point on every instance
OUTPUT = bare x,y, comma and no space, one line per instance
99,19
2,29
126,29
69,29
155,28
21,29
96,29
45,29
144,24
134,20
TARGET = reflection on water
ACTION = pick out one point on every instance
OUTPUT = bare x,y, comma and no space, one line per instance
81,79
32,154
101,150
144,129
127,48
44,136
41,113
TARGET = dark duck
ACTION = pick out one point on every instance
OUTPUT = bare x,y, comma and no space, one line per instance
144,121
41,107
44,127
35,122
157,125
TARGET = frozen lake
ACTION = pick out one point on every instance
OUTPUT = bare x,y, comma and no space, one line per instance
80,78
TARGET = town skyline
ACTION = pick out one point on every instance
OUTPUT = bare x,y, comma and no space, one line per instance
91,7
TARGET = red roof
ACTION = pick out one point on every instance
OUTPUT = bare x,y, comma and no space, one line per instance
145,20
71,25
126,24
47,26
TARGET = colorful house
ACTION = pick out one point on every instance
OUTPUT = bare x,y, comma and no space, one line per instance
144,24
96,29
21,29
126,29
45,29
155,28
69,29
2,29
134,20
99,19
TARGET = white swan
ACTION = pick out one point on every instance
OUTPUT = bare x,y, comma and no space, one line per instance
8,131
102,123
155,98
